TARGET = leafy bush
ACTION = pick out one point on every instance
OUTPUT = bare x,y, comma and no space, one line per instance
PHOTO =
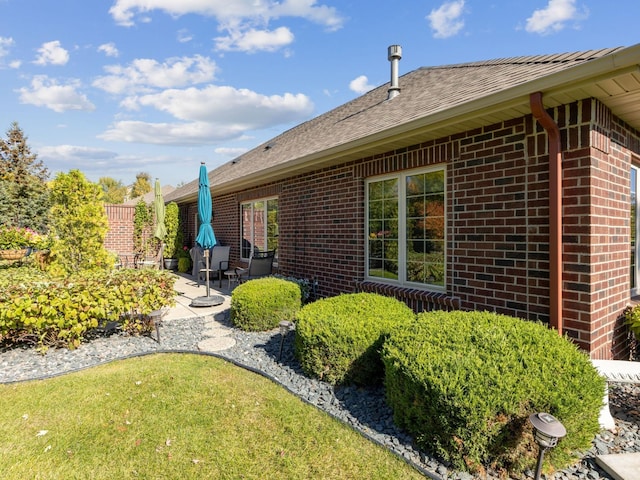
261,304
465,383
184,264
338,339
34,308
173,239
632,319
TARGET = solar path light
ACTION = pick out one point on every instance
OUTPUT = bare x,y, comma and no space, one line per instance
547,430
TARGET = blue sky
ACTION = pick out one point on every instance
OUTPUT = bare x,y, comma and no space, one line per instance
118,87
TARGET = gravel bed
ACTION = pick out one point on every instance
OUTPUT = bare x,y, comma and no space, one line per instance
364,409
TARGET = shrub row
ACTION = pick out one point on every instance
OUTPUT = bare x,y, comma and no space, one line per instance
465,383
35,308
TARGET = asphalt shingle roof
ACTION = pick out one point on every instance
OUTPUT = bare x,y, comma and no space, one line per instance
424,92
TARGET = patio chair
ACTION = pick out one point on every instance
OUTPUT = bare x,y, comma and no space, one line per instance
218,263
260,265
150,262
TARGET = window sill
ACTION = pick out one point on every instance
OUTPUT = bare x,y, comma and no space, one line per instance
419,300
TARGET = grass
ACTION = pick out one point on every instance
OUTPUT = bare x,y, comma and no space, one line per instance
177,416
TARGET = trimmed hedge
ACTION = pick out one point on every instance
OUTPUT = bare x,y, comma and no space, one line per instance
465,383
36,308
261,304
338,339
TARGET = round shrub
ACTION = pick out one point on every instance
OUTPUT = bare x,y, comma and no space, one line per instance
465,383
261,304
338,339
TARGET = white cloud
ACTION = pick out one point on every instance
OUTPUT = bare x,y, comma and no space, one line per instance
252,40
109,49
554,16
5,44
231,152
51,53
445,20
228,106
184,36
46,92
75,155
184,134
144,74
124,11
244,22
208,115
360,85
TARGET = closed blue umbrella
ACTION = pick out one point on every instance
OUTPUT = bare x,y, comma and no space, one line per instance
206,238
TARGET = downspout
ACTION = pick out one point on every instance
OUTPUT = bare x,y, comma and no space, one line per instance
555,209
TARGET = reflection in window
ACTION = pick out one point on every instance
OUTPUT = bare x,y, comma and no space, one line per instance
259,227
406,228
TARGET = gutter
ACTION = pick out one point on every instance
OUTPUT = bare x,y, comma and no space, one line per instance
555,209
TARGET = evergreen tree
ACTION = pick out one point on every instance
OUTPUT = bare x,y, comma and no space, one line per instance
142,185
114,190
23,184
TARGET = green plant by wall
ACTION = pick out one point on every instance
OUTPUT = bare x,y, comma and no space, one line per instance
632,319
261,304
79,225
465,383
173,239
184,264
338,339
143,241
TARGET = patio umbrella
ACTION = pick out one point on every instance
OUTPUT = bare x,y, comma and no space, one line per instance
206,238
161,231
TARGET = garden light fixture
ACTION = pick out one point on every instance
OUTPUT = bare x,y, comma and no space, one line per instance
547,430
285,326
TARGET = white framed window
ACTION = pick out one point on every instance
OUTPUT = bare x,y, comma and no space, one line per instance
259,225
406,228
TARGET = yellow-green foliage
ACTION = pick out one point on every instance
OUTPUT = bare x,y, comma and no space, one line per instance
465,383
79,225
261,304
632,319
338,339
39,309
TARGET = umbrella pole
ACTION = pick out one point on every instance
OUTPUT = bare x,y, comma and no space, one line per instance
206,262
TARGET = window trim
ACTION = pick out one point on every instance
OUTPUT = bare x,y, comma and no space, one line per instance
401,176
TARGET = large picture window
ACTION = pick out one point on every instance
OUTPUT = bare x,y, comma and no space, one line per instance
406,228
259,227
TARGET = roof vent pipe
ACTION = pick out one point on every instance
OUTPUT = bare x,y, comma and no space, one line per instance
394,55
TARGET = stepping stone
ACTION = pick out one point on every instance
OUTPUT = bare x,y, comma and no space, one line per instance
216,344
622,466
216,331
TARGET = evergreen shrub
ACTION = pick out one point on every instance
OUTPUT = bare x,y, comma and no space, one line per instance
262,303
338,339
465,383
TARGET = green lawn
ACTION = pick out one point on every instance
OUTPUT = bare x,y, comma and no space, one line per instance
177,416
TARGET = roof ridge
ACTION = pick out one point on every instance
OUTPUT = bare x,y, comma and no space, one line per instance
539,59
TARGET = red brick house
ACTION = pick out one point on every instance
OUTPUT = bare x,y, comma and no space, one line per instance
506,185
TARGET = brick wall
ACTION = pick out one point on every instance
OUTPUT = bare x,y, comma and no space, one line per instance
497,221
120,235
